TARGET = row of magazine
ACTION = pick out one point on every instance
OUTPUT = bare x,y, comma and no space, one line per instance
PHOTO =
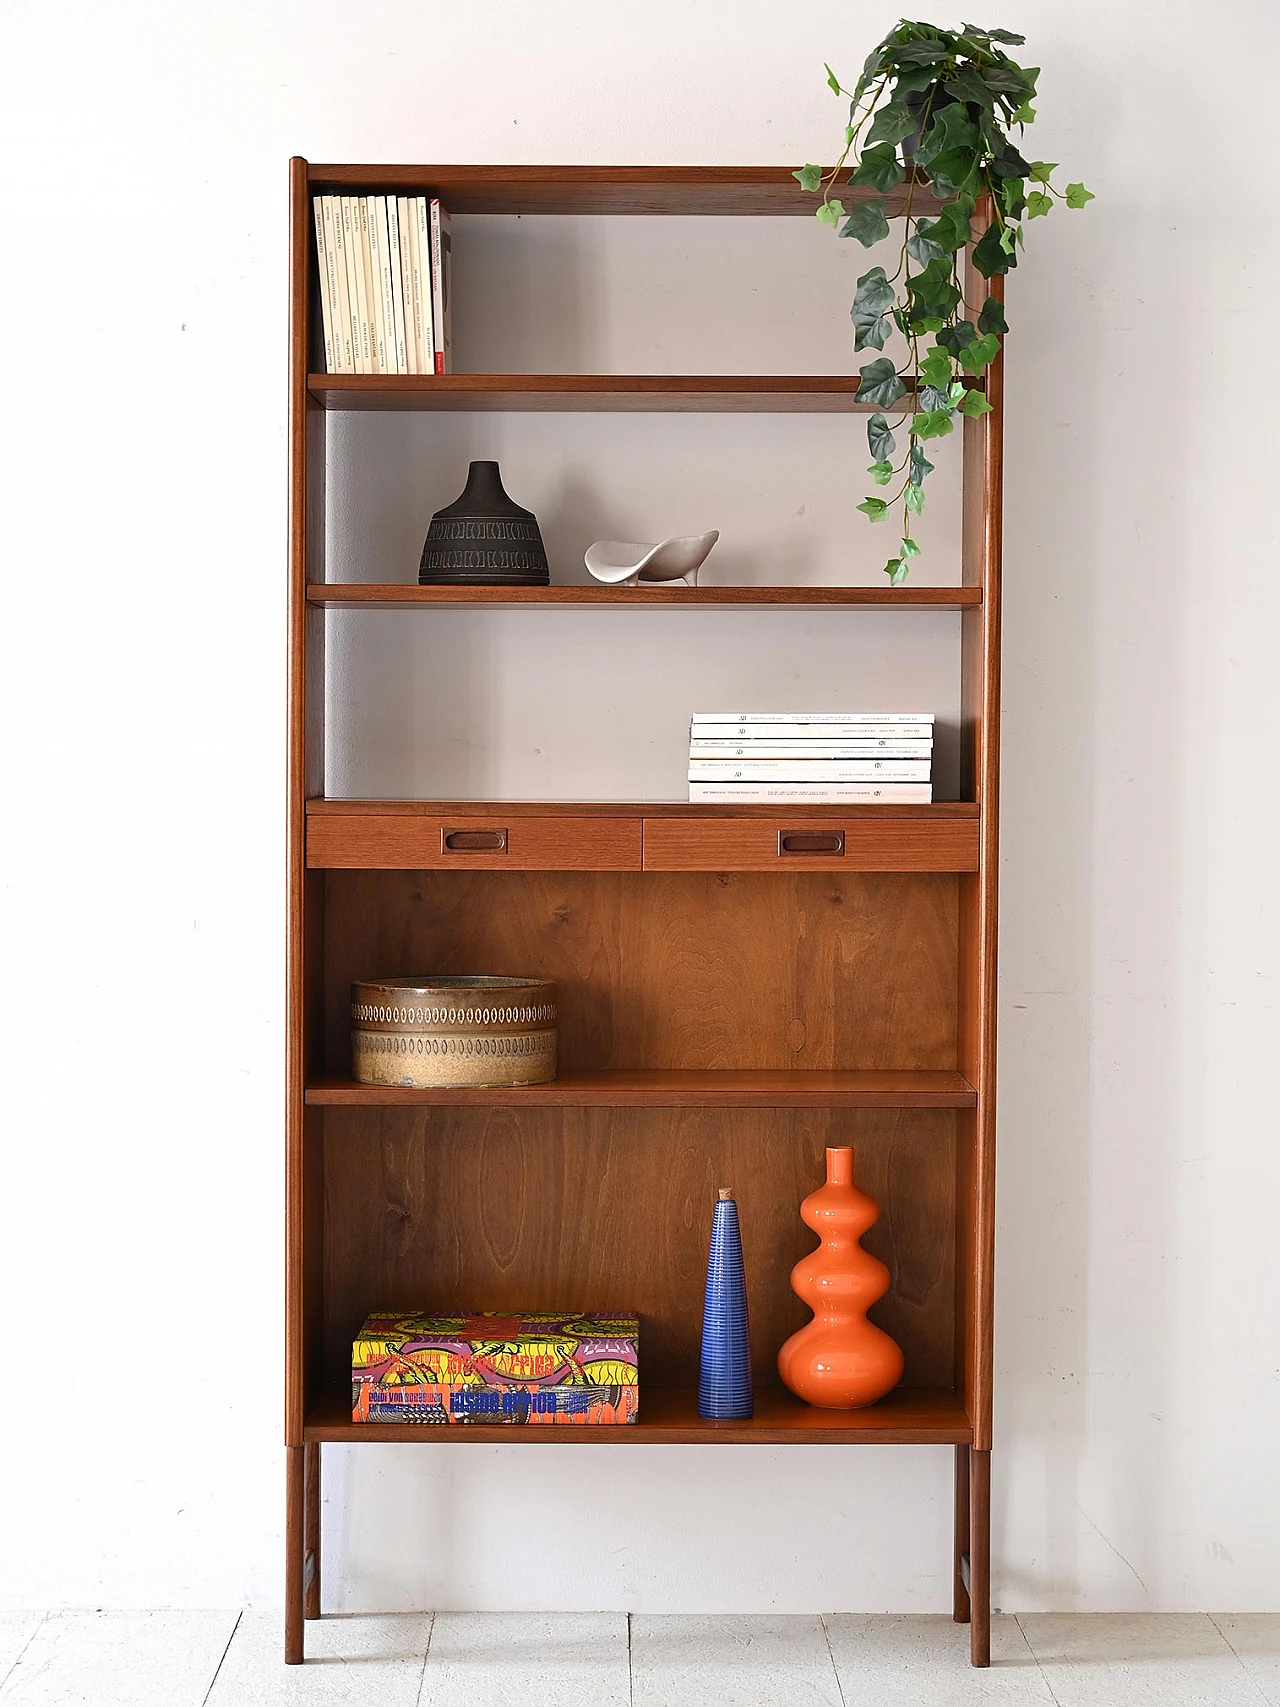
384,264
881,757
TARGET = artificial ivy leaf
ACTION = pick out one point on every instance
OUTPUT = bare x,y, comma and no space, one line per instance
850,131
992,317
948,130
1006,36
1042,170
831,213
925,323
1011,194
891,123
896,570
980,353
913,79
880,440
1008,237
869,312
872,64
909,549
881,472
809,177
935,369
951,228
989,256
1024,114
874,508
880,383
954,338
974,404
1006,78
867,223
1038,204
933,291
920,466
879,167
954,173
935,397
1077,195
900,320
914,497
933,424
921,247
966,85
832,80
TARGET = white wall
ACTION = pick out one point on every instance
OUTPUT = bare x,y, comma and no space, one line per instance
144,461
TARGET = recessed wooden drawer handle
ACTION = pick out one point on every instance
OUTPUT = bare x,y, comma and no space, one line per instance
473,841
810,841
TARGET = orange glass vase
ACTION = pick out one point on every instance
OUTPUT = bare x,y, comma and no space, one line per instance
840,1360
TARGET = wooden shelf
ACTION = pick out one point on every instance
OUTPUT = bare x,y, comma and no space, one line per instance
401,596
669,1416
805,394
671,1088
319,806
735,191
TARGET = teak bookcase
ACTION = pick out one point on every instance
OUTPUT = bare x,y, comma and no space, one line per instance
729,1006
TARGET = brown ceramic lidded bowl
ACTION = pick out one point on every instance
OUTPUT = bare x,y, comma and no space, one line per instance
453,1031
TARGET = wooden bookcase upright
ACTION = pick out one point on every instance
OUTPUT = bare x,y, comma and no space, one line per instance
732,1000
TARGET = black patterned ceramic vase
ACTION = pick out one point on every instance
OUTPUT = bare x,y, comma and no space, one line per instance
483,539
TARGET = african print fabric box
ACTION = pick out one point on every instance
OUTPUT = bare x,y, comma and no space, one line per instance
490,1368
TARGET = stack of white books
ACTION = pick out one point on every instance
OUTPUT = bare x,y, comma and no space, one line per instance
883,757
384,264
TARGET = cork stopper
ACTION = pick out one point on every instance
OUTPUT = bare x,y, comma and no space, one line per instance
725,1194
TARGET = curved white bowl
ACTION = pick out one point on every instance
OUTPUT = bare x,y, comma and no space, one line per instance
618,561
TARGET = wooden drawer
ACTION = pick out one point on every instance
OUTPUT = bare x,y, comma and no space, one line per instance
808,844
391,842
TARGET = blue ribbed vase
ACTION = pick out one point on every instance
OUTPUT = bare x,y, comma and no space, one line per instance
724,1382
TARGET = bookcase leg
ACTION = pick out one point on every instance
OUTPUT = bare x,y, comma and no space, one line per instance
980,1558
294,1501
311,1550
960,1588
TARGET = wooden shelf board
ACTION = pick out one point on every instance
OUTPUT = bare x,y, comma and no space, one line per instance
759,191
669,1416
671,1088
777,394
321,807
402,596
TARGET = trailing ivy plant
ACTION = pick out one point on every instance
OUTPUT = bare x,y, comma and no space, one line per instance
945,101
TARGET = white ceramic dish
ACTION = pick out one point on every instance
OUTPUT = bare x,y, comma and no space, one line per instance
622,563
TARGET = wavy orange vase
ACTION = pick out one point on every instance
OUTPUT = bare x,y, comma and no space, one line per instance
840,1360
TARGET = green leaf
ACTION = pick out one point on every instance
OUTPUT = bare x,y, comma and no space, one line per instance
1077,195
935,369
881,472
966,85
832,80
920,466
909,550
921,246
989,255
935,397
1006,36
955,173
874,508
1024,114
933,291
891,123
880,383
980,353
933,424
879,168
955,338
870,306
831,213
974,404
1006,78
950,128
992,317
880,440
850,131
1042,170
867,223
809,177
1038,204
896,570
1012,197
914,497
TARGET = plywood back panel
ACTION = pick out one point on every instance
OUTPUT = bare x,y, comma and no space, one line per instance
684,970
591,1209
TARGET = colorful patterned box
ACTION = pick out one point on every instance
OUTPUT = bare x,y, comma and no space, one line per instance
491,1368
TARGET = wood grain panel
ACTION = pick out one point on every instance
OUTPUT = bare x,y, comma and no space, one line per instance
909,1416
384,842
581,1209
630,393
408,596
767,191
935,812
737,844
692,971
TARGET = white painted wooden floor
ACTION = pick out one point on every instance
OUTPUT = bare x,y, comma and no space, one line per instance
456,1659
